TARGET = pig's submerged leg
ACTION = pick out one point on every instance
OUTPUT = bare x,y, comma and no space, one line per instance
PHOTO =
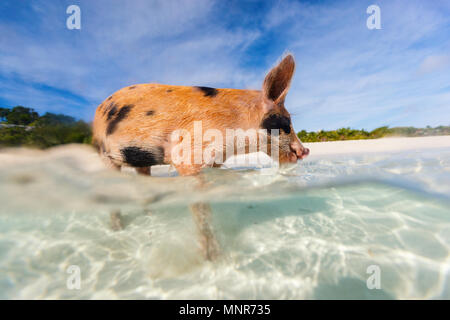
201,213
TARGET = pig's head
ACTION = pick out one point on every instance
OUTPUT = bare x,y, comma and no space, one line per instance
275,116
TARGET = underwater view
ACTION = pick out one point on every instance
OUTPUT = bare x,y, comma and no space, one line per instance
310,231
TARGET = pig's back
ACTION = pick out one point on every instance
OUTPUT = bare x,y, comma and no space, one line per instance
144,115
162,108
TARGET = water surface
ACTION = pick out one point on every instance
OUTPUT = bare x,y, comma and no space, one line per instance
308,232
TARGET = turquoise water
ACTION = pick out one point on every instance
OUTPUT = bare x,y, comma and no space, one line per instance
306,232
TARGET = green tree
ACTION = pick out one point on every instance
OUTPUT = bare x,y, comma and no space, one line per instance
52,119
379,132
15,136
44,136
46,131
21,116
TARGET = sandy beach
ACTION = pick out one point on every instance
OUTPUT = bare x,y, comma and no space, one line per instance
418,144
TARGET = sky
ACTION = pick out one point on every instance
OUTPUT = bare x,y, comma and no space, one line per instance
346,75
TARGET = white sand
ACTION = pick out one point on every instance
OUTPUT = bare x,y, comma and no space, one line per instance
385,145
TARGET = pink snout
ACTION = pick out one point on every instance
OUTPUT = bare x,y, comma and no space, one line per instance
298,151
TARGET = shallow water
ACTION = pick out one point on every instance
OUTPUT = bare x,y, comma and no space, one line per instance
307,232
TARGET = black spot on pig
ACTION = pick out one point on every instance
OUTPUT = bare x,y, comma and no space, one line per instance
277,121
109,107
208,92
122,114
131,88
109,98
111,113
138,157
169,90
150,113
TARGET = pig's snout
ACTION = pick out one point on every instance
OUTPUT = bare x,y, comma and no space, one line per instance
298,150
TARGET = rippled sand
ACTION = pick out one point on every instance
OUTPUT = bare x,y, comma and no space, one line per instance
310,231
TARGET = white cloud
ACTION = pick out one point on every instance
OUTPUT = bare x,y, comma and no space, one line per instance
125,42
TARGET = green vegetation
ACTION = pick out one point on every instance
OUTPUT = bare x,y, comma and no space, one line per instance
24,127
19,115
354,134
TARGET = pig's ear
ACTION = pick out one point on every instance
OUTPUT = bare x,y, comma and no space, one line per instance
277,82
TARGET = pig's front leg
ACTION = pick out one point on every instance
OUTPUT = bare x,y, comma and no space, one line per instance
201,212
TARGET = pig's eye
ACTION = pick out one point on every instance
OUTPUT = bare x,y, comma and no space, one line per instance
277,121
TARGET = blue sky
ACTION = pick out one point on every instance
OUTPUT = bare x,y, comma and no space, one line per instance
347,75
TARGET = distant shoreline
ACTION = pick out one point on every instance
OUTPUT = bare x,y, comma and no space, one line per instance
21,126
87,155
382,145
344,134
26,128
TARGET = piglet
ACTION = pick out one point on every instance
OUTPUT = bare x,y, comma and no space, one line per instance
194,127
149,124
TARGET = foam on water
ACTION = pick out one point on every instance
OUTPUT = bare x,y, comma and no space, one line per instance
307,232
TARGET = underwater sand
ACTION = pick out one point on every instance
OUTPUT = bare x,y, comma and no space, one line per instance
305,232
